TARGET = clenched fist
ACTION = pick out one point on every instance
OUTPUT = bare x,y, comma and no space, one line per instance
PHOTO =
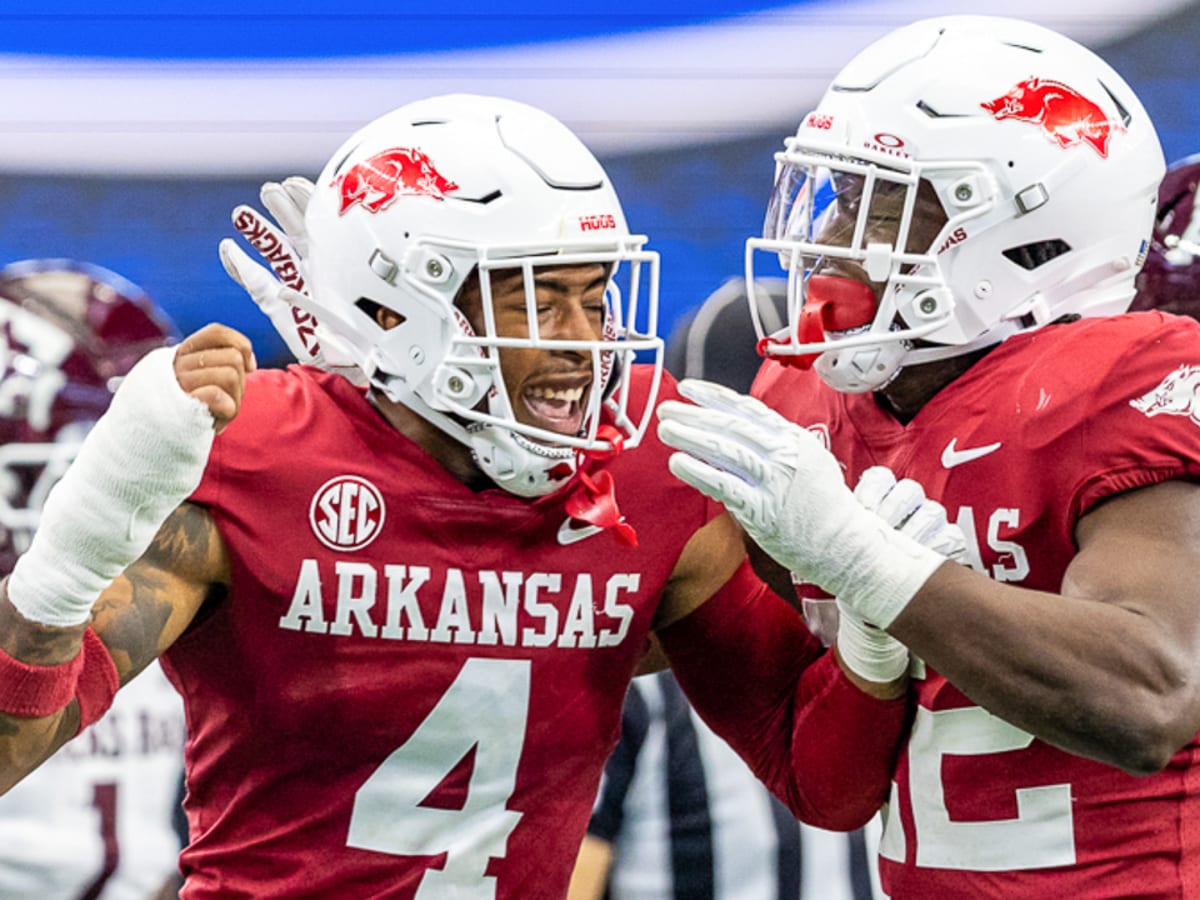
211,365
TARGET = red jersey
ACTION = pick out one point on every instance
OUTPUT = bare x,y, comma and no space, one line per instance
411,688
1018,449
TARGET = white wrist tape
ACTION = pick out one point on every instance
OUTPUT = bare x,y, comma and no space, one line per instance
141,460
875,569
868,652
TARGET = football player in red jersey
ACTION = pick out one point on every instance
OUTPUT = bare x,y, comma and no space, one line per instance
958,313
403,607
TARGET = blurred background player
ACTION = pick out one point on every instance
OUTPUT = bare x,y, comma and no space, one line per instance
679,813
97,820
1170,279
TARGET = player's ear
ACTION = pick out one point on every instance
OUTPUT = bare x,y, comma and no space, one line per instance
385,318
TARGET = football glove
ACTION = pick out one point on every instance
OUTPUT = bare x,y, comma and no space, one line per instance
276,291
788,493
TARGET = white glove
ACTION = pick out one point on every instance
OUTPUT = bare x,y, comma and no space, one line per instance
866,650
788,493
278,294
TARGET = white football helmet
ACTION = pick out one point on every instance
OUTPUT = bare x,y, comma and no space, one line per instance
1044,165
424,196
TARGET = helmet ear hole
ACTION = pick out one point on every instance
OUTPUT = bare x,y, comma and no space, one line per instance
1030,256
381,315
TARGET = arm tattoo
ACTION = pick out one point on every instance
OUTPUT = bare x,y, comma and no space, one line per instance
175,574
32,642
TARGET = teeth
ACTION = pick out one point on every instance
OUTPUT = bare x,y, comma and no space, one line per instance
571,395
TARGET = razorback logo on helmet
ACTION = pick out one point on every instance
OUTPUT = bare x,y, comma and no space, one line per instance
376,182
1177,395
1065,115
347,513
820,121
602,222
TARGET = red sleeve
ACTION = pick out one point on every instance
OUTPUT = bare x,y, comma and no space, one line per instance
760,679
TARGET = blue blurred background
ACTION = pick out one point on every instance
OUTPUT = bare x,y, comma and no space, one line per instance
129,133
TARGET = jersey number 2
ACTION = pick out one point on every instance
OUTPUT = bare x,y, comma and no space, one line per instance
1041,835
485,709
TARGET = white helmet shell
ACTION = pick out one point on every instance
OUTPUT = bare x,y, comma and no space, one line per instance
1043,159
418,200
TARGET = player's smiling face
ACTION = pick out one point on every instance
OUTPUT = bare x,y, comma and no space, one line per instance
548,388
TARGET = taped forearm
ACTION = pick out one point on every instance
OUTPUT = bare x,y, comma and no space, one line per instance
874,569
142,459
756,675
867,651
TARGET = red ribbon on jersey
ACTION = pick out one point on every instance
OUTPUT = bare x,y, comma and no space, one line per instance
596,504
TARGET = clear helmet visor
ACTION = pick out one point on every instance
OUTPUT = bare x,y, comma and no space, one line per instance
843,231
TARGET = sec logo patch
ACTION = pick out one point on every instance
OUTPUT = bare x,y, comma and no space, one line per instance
347,513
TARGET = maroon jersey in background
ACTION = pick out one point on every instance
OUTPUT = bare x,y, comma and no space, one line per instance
411,684
1018,449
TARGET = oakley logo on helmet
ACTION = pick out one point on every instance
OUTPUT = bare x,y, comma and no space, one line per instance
1177,395
1066,115
889,144
347,513
400,172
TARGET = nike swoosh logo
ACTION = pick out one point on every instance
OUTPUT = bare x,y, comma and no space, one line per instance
952,456
568,534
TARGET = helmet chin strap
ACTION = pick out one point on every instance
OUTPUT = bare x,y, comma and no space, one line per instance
857,370
873,367
519,465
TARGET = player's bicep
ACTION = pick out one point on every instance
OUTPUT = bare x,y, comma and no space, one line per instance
1140,550
151,603
708,560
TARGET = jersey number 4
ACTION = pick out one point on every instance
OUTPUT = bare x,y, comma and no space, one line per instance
388,814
